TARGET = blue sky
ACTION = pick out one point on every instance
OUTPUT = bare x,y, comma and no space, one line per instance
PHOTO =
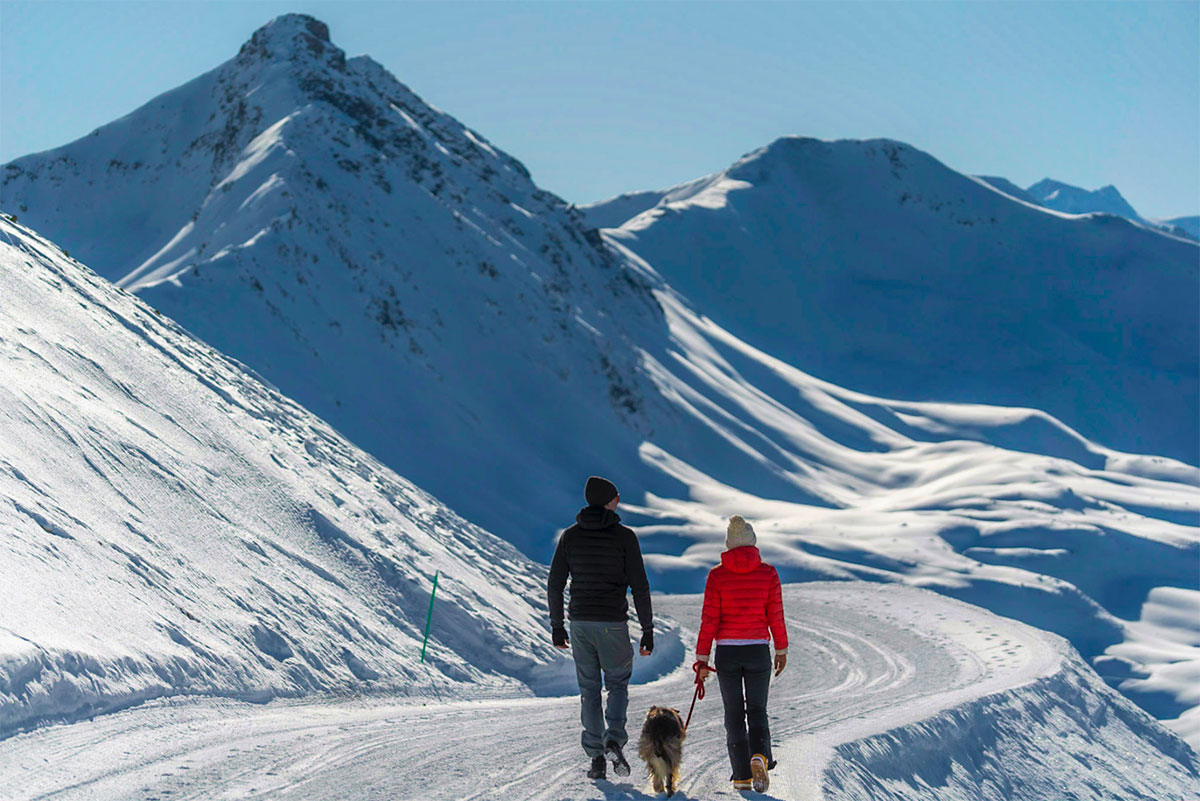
601,98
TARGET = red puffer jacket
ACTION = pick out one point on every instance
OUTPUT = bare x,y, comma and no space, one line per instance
742,600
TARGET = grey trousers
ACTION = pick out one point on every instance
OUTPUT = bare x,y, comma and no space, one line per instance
601,646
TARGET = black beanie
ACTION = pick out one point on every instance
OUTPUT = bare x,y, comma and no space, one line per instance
599,491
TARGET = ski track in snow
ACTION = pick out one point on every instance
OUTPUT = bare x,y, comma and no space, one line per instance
865,659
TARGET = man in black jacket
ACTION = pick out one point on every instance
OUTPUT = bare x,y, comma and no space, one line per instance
603,559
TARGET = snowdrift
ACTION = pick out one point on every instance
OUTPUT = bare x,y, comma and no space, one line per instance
1062,736
1020,716
173,525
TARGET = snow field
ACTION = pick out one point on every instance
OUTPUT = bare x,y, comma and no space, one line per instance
890,692
175,526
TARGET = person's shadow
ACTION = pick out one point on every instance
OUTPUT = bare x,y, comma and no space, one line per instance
627,792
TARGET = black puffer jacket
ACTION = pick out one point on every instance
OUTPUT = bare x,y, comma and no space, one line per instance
603,559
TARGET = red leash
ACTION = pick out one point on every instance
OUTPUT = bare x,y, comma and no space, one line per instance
699,667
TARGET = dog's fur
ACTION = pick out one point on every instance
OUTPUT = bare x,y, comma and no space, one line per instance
661,747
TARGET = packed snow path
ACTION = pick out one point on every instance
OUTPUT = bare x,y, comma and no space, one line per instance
866,659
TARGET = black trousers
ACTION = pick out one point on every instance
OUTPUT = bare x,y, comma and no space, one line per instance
744,672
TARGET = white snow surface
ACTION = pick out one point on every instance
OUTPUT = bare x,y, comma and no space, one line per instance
172,525
405,280
890,693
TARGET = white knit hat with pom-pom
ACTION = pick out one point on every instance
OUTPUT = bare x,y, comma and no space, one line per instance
739,533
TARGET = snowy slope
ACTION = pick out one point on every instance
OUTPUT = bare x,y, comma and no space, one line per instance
1007,187
612,213
469,330
890,694
1002,507
174,526
852,260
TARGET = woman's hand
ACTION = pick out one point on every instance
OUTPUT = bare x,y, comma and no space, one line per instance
780,663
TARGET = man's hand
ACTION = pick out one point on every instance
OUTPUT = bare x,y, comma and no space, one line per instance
647,643
780,663
559,635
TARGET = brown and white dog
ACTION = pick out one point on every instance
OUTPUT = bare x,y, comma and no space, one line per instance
661,747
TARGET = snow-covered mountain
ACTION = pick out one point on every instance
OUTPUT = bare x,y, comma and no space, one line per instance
1189,225
1076,200
373,258
391,270
172,526
1106,200
855,260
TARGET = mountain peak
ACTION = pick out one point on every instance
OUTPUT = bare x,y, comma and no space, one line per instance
291,37
292,25
784,149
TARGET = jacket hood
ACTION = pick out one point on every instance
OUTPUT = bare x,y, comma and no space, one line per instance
742,559
596,517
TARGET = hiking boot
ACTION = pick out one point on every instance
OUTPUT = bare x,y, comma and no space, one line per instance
758,769
613,752
599,768
743,784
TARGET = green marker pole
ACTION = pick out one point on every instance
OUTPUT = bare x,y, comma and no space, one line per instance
429,617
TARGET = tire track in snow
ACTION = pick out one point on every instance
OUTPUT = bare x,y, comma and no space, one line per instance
862,657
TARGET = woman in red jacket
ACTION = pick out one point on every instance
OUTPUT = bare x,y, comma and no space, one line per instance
743,602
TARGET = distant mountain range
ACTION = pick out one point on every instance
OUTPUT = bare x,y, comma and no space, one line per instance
1189,225
785,338
1106,200
1048,193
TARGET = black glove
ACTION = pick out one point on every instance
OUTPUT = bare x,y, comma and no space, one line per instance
648,641
559,635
